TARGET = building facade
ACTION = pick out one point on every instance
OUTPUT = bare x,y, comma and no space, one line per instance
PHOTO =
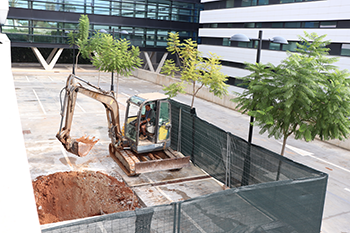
287,18
46,23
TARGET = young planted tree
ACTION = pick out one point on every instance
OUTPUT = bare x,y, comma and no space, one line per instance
106,53
194,69
112,55
305,95
81,37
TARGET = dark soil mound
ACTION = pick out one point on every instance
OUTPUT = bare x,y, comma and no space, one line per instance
71,195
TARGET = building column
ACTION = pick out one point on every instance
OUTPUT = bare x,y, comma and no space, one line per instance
161,63
52,59
149,63
148,60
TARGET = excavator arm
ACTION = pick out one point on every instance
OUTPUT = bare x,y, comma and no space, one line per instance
81,146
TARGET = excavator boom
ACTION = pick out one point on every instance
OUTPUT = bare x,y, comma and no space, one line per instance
82,146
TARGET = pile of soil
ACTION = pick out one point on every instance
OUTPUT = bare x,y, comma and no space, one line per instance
71,195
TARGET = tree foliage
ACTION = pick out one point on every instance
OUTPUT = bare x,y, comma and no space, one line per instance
194,69
105,52
81,37
305,95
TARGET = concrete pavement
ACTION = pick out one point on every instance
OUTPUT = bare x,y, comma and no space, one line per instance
319,155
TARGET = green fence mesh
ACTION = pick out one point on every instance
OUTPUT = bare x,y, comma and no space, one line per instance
268,193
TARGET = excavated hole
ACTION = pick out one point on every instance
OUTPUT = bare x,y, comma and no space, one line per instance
71,195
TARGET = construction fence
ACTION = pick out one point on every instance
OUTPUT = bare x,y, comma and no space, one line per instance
267,193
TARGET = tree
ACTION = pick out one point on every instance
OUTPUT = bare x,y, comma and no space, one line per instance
106,53
305,95
110,55
194,69
81,37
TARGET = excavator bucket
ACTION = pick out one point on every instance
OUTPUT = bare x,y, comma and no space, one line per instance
85,144
82,145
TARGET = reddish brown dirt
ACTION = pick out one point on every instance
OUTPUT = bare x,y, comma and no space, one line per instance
71,195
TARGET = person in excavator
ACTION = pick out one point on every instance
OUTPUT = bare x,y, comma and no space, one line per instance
147,121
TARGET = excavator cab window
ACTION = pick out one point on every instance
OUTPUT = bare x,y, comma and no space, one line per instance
164,121
131,127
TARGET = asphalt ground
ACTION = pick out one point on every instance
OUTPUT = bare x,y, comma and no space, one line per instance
38,99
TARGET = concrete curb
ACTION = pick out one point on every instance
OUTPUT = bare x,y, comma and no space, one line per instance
204,93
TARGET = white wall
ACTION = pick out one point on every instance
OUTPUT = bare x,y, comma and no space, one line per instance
18,209
301,11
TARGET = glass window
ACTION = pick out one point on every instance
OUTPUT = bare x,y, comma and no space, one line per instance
150,37
162,37
310,24
16,26
286,1
263,2
292,25
100,27
246,2
230,3
249,2
115,10
152,11
19,3
245,44
163,12
255,43
131,129
258,25
164,121
275,46
41,6
140,10
291,46
345,50
249,25
329,24
277,25
213,25
68,26
226,42
138,37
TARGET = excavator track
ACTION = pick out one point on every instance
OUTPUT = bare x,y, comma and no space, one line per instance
134,164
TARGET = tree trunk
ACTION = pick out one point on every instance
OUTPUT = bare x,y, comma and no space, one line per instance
282,153
99,76
76,60
284,144
116,95
193,92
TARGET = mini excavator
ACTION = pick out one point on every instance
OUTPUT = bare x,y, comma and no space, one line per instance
134,156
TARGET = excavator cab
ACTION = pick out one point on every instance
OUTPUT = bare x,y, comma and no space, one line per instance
157,129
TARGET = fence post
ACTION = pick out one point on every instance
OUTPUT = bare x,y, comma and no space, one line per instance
227,162
193,115
179,131
177,216
246,166
143,220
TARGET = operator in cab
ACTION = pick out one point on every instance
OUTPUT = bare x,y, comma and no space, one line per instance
147,118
